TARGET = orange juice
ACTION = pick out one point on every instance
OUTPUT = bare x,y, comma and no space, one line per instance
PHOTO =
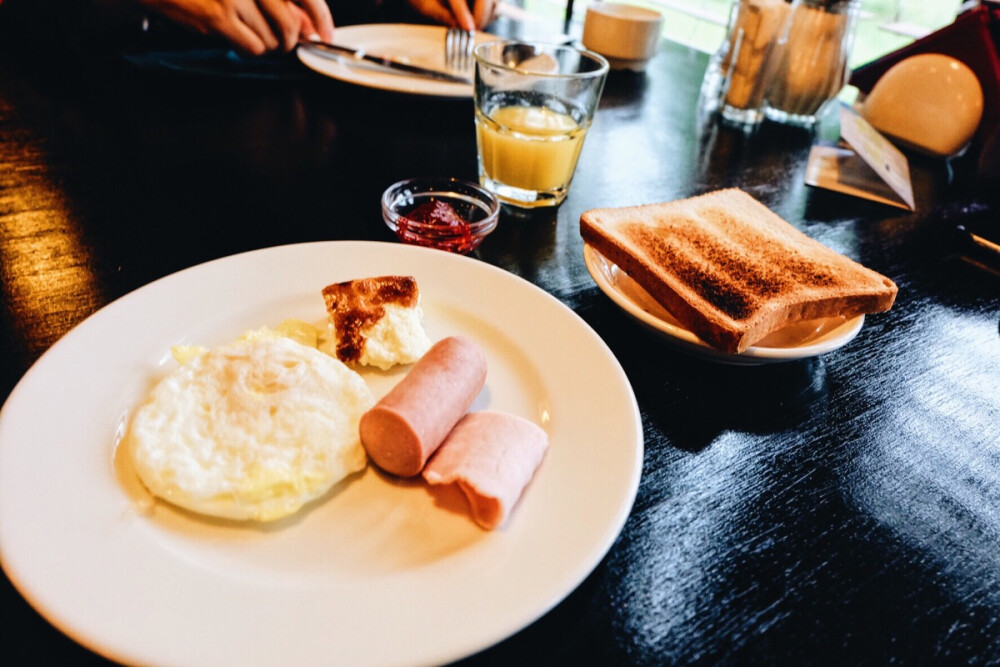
530,148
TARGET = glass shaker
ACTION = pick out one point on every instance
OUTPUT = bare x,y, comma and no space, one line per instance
809,61
735,81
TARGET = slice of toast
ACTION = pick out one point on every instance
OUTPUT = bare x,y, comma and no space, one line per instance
377,321
729,269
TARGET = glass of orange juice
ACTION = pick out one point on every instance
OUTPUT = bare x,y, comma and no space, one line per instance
534,103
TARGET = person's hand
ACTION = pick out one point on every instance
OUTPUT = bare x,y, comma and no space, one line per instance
252,26
456,12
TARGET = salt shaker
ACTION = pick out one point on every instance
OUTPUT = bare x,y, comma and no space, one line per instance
809,59
736,79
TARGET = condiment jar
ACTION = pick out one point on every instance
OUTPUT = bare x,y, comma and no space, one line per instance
809,59
736,78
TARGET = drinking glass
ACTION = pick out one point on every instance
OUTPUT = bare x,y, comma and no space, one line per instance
534,103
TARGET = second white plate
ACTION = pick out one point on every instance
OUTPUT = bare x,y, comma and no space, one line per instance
421,45
799,341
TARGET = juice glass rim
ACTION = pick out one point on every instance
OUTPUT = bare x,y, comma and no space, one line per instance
600,71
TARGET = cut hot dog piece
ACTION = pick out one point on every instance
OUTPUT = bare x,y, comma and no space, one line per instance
492,456
404,428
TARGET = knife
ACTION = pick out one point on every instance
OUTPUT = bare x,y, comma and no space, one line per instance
338,52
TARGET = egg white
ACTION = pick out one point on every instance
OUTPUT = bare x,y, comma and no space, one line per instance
250,431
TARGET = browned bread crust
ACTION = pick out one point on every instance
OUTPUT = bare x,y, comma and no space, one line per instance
355,305
729,269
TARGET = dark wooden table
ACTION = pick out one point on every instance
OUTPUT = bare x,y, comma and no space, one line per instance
840,509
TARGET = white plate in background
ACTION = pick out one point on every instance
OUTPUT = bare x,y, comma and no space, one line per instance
421,45
798,341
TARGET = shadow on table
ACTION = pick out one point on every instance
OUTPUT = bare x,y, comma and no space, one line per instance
713,398
692,400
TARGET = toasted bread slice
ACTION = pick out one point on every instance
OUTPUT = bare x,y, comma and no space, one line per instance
377,321
729,269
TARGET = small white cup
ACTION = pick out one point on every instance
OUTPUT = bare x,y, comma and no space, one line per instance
625,34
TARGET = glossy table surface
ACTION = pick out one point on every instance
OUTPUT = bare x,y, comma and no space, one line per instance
843,508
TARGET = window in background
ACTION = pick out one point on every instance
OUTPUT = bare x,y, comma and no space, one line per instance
883,25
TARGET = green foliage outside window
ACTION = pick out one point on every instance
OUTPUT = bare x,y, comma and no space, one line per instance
697,22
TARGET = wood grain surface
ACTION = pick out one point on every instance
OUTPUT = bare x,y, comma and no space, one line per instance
842,509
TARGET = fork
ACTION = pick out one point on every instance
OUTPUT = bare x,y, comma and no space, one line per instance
458,44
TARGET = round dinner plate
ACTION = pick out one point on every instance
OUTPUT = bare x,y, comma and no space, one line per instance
421,45
797,341
380,570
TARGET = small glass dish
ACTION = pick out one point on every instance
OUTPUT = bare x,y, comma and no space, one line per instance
443,213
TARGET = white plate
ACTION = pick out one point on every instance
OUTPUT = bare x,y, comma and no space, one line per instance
379,571
799,341
416,44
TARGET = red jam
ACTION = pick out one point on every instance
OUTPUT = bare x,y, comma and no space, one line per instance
438,225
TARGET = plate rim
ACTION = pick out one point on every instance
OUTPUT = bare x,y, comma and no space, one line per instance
583,569
688,341
397,84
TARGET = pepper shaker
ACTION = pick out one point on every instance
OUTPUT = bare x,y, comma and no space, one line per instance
809,59
736,79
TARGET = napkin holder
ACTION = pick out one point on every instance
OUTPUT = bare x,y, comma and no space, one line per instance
973,38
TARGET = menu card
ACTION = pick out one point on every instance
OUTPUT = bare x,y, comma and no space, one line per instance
868,166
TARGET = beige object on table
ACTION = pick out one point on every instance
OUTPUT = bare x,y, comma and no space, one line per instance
929,102
626,35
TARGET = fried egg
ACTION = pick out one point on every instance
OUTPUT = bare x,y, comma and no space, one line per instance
250,431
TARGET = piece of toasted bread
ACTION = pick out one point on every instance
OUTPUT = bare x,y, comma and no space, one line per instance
729,269
377,321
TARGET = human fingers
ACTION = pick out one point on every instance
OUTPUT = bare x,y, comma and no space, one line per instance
463,15
283,21
319,16
306,28
483,11
241,33
238,21
436,10
242,37
248,14
309,30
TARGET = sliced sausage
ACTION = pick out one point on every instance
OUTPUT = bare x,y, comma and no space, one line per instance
491,456
404,428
